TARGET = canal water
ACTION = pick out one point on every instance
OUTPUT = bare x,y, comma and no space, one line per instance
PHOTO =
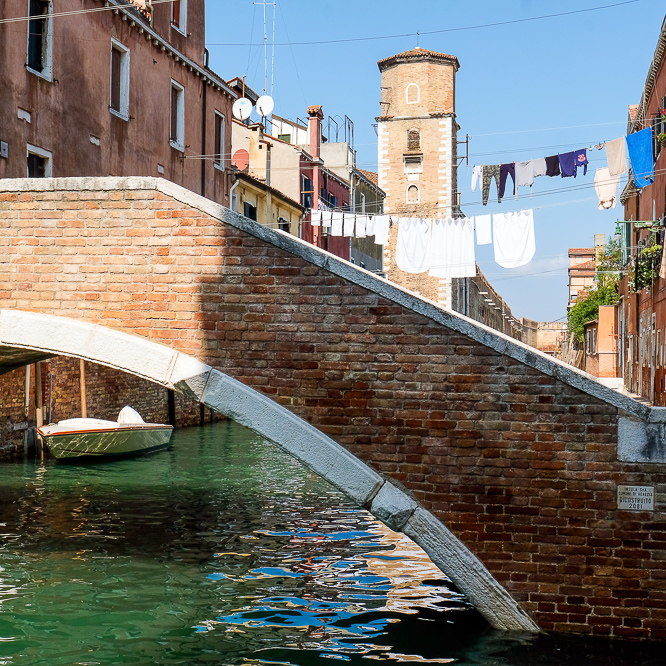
223,550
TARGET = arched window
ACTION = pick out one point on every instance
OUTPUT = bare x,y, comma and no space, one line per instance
412,194
413,93
413,139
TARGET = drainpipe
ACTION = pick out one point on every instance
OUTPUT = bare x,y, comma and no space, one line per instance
203,127
231,195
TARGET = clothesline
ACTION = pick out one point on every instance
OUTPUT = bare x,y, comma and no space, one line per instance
522,174
443,247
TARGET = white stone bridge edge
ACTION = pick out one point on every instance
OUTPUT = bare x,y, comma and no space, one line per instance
391,505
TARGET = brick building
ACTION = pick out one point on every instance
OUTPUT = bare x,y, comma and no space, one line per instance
121,88
641,312
417,131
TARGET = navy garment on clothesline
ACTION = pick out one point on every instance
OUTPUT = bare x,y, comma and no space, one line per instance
568,164
507,170
581,159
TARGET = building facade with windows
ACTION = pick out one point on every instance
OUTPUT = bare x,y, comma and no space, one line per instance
641,312
116,88
417,151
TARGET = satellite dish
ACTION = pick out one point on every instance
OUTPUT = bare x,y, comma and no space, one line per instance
241,159
265,106
242,109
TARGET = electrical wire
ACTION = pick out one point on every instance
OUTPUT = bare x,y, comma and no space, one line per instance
76,12
440,31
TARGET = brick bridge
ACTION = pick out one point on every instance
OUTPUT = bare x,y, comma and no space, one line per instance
503,464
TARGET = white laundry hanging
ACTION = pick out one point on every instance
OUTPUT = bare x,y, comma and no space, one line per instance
477,176
382,223
616,154
336,224
348,224
483,225
413,246
452,248
361,223
513,235
606,187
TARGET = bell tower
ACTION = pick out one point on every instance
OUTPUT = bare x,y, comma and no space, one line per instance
417,145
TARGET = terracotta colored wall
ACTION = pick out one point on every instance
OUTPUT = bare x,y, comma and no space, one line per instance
522,467
74,106
648,301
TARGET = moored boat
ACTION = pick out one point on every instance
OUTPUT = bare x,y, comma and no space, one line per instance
97,438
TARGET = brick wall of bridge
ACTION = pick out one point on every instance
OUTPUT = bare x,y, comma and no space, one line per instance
521,466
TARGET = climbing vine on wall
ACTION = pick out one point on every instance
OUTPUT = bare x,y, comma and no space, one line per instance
647,267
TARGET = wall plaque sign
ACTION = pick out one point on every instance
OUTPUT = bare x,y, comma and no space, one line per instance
635,498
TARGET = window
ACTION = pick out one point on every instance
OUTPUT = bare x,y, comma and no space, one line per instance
413,194
657,129
220,126
413,94
285,137
658,350
40,162
177,131
40,37
413,139
333,200
119,80
250,211
306,193
283,224
179,15
413,164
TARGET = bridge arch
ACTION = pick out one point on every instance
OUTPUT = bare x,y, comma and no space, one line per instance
29,336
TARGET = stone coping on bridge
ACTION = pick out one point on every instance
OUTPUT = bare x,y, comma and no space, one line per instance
482,334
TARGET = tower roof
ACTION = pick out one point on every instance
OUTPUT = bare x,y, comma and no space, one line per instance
414,55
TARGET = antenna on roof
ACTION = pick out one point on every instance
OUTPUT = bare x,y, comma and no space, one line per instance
273,4
418,36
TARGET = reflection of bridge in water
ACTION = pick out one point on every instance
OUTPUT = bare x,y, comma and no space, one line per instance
419,414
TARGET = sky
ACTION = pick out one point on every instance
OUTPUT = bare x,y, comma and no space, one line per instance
527,87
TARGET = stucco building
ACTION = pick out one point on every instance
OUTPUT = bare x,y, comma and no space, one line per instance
115,88
583,267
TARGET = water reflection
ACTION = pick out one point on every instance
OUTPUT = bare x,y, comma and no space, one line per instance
224,551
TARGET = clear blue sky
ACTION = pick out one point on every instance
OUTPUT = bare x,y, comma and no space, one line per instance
518,84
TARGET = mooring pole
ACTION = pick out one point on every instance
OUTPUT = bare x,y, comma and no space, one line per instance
82,377
39,413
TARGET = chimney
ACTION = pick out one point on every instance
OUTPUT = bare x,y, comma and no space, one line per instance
316,115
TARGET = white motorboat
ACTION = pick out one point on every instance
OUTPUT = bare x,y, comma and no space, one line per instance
96,438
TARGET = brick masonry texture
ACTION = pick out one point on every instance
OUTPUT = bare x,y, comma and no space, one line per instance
521,467
436,82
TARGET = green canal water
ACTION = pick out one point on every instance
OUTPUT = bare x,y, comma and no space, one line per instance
223,550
